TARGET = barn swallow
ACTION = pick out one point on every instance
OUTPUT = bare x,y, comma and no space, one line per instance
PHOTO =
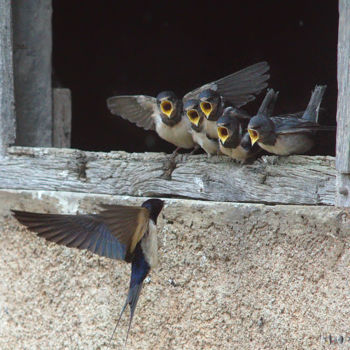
164,113
118,232
234,140
288,134
250,82
196,117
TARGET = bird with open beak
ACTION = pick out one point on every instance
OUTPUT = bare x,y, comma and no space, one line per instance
118,232
252,80
234,140
164,114
288,134
196,117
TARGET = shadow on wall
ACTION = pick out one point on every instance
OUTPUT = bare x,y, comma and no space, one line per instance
118,48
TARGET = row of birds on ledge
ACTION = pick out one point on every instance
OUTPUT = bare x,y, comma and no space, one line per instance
211,117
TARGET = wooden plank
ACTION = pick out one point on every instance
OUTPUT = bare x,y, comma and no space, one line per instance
7,115
62,117
32,38
272,179
343,111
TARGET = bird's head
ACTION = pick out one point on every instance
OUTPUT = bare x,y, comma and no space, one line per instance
260,128
154,206
229,128
169,105
210,104
194,114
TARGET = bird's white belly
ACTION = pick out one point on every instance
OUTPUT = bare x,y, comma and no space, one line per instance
289,144
149,245
211,129
238,153
209,146
179,134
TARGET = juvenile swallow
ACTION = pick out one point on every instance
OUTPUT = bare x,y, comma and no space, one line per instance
234,140
164,113
288,134
118,232
196,117
245,85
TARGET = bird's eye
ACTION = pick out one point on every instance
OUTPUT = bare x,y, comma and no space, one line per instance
206,107
166,107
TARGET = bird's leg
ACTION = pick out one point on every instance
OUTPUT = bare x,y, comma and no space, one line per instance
195,149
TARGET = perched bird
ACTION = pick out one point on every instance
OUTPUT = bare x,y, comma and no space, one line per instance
164,113
234,140
118,232
245,85
196,117
288,134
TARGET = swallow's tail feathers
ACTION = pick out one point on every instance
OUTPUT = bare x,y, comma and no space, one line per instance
268,103
312,110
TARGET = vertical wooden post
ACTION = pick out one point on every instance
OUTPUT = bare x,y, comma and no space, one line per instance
62,117
32,41
7,115
343,110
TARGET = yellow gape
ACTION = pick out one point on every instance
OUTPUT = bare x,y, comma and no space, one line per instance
166,107
223,133
193,116
206,108
254,135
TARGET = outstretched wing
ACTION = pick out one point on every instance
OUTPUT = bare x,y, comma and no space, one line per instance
113,233
238,88
139,109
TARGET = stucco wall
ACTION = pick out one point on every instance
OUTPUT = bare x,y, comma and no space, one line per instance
231,276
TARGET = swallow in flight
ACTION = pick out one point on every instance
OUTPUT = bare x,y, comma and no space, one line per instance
118,232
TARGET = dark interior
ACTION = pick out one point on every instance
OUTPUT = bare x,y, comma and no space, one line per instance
106,48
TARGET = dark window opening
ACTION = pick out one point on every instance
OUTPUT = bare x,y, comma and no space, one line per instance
107,48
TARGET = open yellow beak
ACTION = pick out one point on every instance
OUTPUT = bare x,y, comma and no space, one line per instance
206,108
223,133
193,116
254,135
166,107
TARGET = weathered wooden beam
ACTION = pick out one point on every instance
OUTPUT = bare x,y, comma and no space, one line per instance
343,111
32,37
272,179
62,117
7,115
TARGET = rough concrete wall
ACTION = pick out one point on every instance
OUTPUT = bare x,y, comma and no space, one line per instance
231,276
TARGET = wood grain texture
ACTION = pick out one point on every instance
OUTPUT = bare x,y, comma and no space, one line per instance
62,117
7,115
272,179
343,109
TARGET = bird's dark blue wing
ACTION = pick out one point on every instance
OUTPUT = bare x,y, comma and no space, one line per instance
78,231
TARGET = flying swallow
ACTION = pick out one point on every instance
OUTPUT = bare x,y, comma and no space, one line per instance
197,119
250,82
288,134
118,232
164,113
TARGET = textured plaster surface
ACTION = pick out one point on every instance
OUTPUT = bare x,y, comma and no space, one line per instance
231,276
